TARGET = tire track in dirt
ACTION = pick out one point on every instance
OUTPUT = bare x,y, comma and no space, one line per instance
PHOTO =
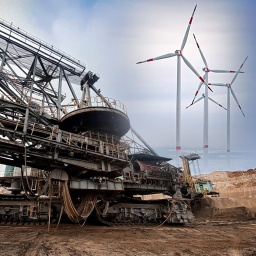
204,238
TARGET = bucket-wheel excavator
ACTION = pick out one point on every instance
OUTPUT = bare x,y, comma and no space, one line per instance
73,157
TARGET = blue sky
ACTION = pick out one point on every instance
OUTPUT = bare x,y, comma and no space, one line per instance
111,36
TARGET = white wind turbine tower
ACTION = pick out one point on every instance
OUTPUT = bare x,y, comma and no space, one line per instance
230,90
205,97
179,55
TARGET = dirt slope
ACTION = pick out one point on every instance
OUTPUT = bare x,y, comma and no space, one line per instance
239,184
237,195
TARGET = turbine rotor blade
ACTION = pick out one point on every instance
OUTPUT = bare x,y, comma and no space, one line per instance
158,58
189,105
201,53
217,84
216,102
202,97
239,71
232,92
187,31
198,89
224,71
196,101
193,69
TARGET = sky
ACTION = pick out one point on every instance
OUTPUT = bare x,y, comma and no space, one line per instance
111,36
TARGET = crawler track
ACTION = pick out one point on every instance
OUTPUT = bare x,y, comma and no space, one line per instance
129,211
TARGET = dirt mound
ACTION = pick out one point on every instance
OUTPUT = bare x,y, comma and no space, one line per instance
237,195
224,209
241,173
239,184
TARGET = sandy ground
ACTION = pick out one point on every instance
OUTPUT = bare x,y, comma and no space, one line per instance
224,226
202,238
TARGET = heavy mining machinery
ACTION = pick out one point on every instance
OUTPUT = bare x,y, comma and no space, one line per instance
73,157
194,186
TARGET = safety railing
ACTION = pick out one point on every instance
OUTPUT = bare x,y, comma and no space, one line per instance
96,101
40,107
117,149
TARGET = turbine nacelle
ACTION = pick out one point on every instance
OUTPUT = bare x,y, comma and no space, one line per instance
178,52
206,69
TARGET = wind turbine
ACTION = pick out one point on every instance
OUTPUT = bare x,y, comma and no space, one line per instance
230,90
179,55
206,69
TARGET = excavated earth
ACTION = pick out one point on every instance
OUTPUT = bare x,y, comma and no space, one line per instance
224,225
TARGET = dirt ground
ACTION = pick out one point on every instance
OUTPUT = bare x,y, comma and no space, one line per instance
224,226
202,238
